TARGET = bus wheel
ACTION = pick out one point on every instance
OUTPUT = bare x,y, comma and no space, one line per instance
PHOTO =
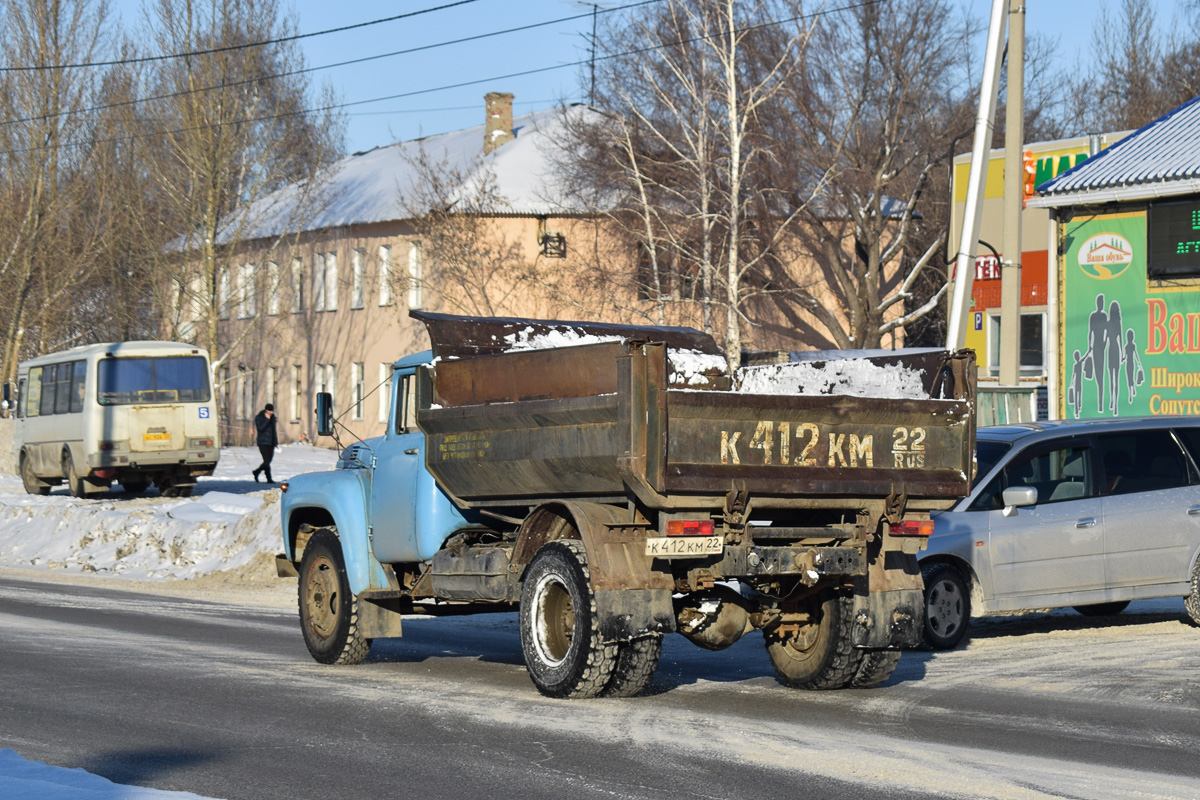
32,484
75,484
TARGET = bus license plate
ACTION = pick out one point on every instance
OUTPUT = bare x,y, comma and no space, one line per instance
156,437
672,546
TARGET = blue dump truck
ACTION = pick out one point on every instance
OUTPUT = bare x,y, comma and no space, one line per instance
614,483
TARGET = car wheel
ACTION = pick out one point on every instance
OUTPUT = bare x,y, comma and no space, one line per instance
1192,601
1102,609
328,609
820,654
947,607
559,635
31,482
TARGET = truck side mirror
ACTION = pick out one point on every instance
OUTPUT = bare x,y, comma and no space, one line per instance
324,414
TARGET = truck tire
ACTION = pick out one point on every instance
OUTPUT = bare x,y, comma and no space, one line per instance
636,663
30,480
328,609
820,656
947,607
875,668
559,635
1102,609
1191,602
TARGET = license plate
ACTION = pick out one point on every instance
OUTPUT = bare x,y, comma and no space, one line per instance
156,437
671,546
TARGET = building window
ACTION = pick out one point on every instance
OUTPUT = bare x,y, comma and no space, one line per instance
416,275
246,298
331,282
358,385
1032,359
273,386
385,391
273,289
224,392
358,287
385,277
297,392
223,293
297,286
326,378
240,396
319,282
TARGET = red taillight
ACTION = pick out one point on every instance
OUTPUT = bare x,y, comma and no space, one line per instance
108,445
912,527
690,527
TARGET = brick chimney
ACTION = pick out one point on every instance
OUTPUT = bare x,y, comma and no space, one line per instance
499,128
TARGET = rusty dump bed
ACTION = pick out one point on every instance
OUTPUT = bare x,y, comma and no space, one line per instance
609,419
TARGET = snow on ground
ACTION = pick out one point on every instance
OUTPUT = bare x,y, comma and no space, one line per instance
33,780
230,522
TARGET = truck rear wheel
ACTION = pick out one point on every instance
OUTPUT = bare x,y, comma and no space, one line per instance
559,635
328,609
30,480
636,663
875,668
819,655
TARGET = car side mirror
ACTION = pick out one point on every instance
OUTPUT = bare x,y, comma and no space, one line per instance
1017,496
324,414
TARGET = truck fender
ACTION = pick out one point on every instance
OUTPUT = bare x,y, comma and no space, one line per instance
336,499
632,598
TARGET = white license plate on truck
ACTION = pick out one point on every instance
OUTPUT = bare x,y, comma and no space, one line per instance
671,546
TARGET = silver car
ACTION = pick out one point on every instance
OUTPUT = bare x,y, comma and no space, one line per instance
1089,514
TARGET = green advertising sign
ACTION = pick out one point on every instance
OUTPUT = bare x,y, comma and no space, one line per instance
1131,349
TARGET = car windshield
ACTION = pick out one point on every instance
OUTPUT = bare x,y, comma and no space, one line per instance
988,453
178,379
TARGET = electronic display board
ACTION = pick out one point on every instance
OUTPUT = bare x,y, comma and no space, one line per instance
1173,239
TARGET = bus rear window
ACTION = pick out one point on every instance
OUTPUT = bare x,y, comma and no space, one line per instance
180,379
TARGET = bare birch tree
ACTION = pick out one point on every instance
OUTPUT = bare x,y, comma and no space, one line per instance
227,129
54,199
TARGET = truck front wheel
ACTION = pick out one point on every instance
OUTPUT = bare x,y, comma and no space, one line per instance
559,635
819,655
328,609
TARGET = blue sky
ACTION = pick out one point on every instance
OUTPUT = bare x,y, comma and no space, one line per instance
374,124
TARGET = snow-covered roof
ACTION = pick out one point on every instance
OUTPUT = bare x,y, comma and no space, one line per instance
1160,159
369,187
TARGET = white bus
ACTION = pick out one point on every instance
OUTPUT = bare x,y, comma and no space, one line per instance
127,412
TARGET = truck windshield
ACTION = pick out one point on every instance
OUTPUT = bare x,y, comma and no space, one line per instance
176,379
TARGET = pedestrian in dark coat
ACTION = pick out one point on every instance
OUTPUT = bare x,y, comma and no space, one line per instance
266,439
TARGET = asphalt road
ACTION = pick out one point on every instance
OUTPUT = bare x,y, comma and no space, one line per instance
221,699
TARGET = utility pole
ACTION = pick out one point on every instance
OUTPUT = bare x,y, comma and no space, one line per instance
592,90
1014,135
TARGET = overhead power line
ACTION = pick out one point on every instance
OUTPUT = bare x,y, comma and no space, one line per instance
244,46
364,59
447,87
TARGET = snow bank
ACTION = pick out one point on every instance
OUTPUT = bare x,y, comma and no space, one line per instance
230,522
856,377
33,780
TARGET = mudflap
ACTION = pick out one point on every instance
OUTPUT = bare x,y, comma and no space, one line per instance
889,601
888,619
379,619
625,614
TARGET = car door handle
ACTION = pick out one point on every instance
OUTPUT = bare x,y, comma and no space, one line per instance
1087,522
1194,511
412,451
